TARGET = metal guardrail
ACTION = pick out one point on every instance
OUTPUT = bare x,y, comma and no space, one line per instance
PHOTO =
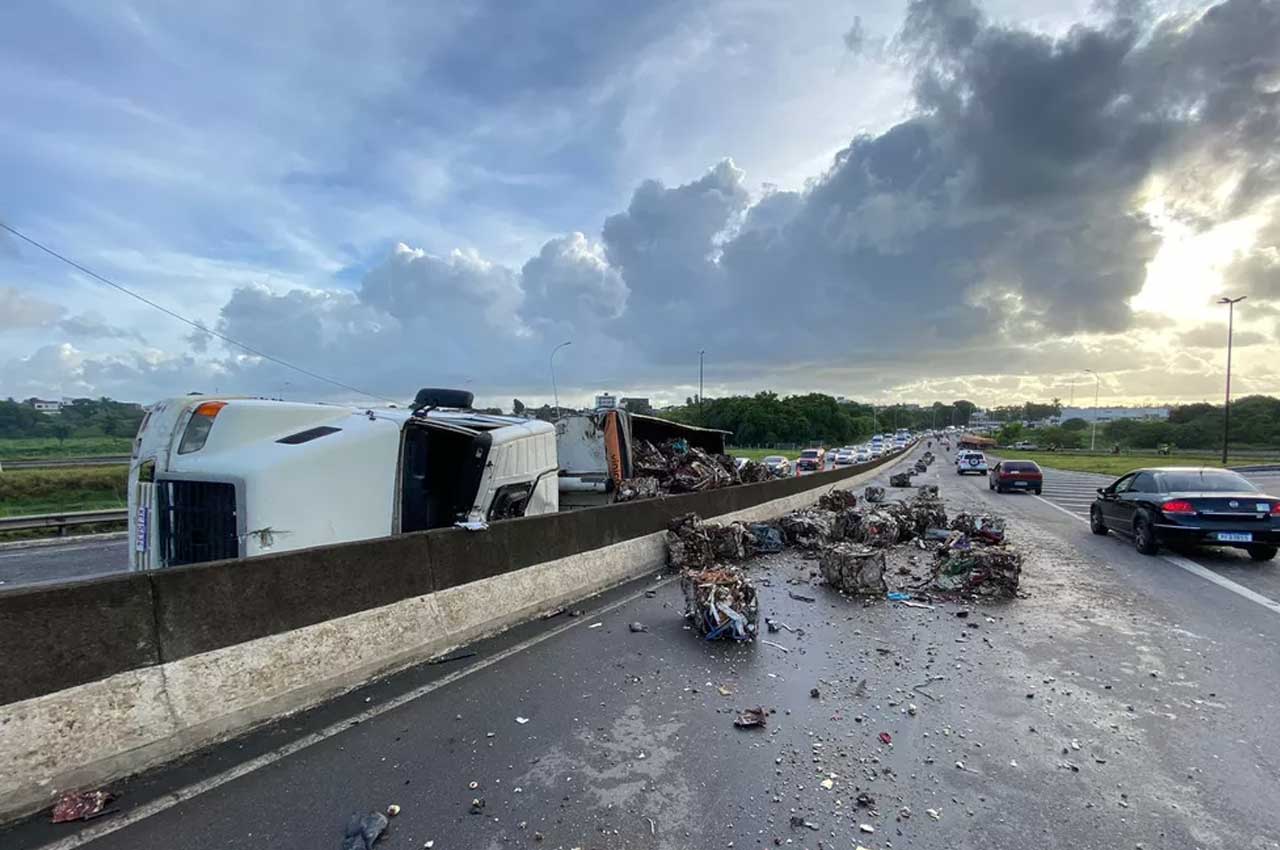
54,463
62,521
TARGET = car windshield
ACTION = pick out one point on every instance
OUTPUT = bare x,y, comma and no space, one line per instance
809,453
1204,481
1019,466
773,459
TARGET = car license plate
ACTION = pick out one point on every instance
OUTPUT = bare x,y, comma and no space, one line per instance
1019,484
1235,536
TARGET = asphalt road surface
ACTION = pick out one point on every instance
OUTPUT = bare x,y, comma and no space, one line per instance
76,558
1122,702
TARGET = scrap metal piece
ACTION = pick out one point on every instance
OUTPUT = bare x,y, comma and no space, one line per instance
721,603
873,494
852,569
900,479
80,805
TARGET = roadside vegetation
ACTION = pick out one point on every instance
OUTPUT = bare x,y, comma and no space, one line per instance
78,419
43,491
50,448
1107,464
760,454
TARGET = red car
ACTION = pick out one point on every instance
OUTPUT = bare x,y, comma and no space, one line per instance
1016,475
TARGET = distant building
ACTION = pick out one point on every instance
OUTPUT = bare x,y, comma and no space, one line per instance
606,401
1110,414
43,406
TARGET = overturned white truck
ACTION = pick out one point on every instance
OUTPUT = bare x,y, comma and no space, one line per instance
225,477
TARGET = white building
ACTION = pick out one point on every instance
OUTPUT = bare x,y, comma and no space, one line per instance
43,406
1110,414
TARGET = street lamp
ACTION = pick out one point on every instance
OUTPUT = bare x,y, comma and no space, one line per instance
1093,432
1226,410
701,353
552,360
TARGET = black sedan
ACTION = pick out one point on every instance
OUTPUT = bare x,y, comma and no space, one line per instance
1171,505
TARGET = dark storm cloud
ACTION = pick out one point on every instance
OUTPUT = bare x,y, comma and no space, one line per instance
1007,206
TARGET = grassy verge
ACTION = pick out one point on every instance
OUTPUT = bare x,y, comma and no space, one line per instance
42,491
759,454
39,448
1106,464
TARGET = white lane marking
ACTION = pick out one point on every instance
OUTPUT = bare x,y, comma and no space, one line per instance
155,807
1195,569
1225,583
1060,508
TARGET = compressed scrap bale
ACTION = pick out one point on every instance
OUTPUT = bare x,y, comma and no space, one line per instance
962,566
853,569
982,526
721,603
878,529
900,479
681,468
837,500
688,544
730,542
808,528
752,473
873,494
644,487
927,491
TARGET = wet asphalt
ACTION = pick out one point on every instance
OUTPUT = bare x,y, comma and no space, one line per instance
1121,703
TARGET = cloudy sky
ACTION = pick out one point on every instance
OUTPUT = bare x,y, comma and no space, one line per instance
884,200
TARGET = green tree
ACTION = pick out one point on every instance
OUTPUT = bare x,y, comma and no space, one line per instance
1075,424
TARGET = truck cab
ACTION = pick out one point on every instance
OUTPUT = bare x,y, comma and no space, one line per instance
215,477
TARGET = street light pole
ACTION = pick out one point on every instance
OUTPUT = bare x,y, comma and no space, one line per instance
1093,432
701,352
555,393
1226,409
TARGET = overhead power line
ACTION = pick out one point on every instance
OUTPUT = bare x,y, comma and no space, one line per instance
254,351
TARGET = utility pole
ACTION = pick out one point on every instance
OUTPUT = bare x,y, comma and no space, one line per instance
1226,409
1093,433
701,353
555,392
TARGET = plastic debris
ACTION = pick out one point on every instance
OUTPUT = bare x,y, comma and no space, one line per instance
751,718
886,738
854,569
898,596
362,832
393,810
81,805
721,603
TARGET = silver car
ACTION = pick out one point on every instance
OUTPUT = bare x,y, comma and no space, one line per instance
777,465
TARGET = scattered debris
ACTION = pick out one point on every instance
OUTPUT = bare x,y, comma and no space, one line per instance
900,479
798,822
362,832
775,626
800,597
865,800
908,603
751,718
853,569
969,566
477,805
927,491
457,656
674,466
637,627
837,500
873,494
886,738
721,603
522,720
81,805
393,810
774,645
814,693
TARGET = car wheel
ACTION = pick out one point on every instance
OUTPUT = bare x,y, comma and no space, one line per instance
1262,553
1144,536
1037,491
1096,525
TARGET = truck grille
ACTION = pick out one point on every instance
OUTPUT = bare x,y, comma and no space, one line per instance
197,521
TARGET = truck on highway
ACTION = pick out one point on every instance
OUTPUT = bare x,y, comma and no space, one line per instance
215,477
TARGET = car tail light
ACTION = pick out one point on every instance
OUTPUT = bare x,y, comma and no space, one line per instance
196,433
1178,506
1275,508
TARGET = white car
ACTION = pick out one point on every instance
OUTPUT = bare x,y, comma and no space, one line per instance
844,457
971,461
863,455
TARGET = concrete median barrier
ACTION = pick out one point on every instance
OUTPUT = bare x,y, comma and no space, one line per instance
107,677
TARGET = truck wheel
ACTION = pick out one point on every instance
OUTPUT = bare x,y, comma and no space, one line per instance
1144,537
1262,553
